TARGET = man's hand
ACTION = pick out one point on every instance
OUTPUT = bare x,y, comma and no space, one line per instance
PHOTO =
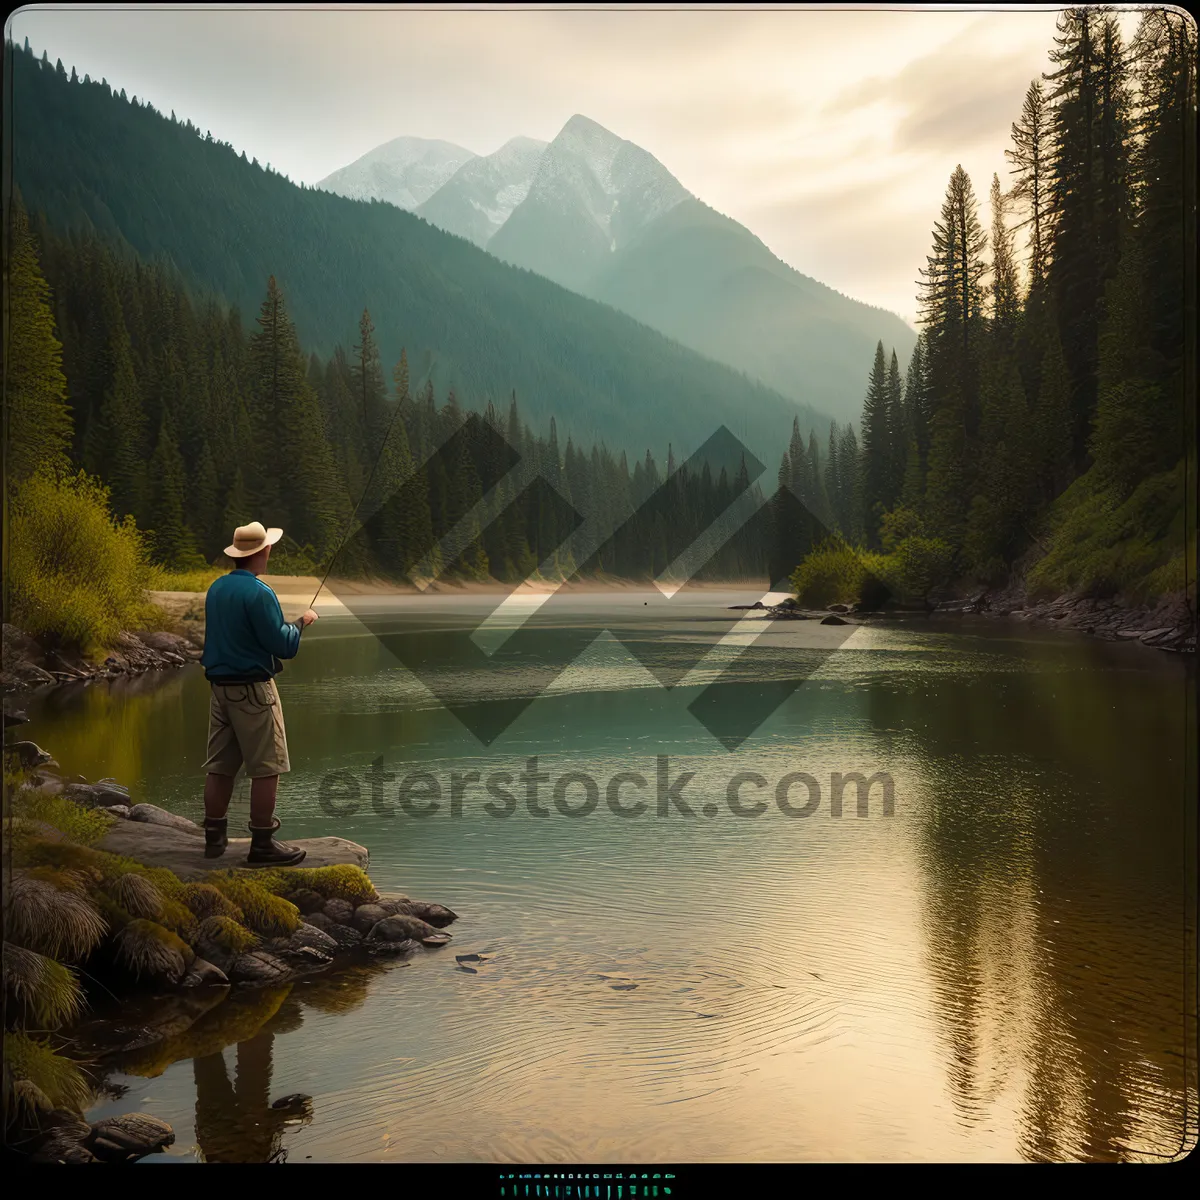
307,618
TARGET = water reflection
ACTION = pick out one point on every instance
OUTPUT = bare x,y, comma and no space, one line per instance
236,1121
1000,971
1057,897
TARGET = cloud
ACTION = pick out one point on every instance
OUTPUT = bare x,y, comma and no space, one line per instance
951,99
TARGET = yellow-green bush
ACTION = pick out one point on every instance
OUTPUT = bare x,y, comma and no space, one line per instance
832,573
73,571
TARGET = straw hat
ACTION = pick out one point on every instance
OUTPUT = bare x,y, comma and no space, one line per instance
250,539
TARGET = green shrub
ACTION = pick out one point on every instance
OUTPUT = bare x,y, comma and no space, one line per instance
73,571
832,573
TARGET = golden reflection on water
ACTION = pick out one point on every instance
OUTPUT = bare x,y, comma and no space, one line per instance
1000,972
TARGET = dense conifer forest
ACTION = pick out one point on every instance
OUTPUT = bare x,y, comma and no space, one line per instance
1041,421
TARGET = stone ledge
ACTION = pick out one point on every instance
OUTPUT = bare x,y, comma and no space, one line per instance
182,850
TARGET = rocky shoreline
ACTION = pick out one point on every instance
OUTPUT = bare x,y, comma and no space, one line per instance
1168,624
166,924
30,664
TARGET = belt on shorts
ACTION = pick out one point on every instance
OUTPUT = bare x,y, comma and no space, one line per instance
231,680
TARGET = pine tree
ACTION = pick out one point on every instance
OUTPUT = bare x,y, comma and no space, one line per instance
1052,424
172,540
876,448
1031,156
114,447
952,298
850,472
1132,437
294,476
1006,298
37,416
917,413
897,435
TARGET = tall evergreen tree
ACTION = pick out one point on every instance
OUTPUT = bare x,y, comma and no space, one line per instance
37,416
1030,156
876,448
171,538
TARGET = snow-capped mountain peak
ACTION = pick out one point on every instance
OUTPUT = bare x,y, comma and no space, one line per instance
405,171
592,192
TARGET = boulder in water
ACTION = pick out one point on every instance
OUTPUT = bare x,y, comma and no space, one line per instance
129,1137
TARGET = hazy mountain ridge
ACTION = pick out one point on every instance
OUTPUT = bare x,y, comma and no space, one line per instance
601,216
88,159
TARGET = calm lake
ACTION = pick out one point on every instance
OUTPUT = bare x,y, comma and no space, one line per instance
999,970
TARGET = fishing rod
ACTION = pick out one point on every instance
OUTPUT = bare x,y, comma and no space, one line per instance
366,488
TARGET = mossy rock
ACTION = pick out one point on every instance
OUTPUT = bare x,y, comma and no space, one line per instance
226,934
262,911
204,900
342,881
151,951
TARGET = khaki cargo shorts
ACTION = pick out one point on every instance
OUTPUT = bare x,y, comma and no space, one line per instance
245,725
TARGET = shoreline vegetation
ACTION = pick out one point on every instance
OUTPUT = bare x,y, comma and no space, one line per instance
112,910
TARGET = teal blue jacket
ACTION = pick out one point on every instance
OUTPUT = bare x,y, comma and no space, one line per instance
245,635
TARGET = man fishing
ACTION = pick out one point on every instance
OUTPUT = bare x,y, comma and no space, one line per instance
244,640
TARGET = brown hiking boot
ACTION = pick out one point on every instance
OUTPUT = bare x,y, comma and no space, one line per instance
216,836
266,851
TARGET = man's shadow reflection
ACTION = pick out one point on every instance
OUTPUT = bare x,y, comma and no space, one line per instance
236,1121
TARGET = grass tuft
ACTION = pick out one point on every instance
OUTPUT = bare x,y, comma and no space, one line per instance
83,825
37,1078
43,993
136,895
59,921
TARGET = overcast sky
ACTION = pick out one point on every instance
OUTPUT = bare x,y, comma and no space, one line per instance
829,133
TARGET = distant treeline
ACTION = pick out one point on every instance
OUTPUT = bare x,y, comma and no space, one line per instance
197,424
